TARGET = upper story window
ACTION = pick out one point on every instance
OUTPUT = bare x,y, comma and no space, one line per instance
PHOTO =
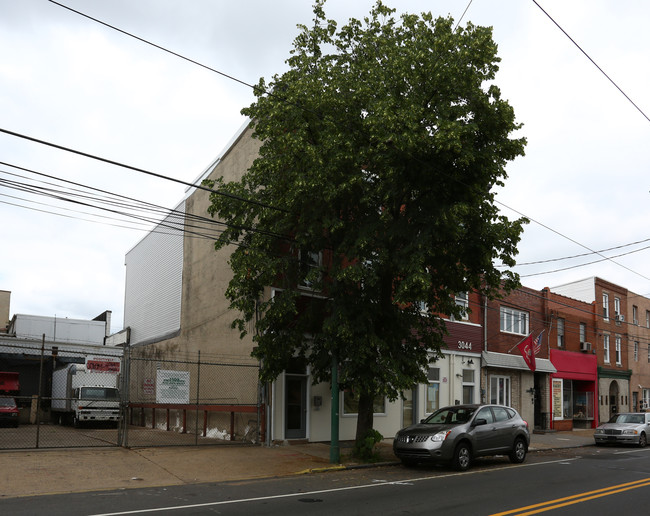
618,350
310,264
605,306
583,332
560,333
617,307
635,314
462,299
514,321
636,351
647,318
606,348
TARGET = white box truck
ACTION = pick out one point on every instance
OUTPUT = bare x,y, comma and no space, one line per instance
81,396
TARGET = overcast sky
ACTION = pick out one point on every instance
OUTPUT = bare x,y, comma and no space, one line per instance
70,81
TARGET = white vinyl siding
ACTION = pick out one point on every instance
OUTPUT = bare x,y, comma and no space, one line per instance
154,278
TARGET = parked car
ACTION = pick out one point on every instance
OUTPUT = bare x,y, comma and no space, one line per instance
624,428
458,434
8,411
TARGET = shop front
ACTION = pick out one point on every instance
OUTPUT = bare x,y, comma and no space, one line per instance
573,390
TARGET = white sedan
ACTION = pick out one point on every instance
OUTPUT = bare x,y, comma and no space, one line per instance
624,428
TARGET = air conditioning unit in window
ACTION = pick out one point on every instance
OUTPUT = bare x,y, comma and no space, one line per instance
620,318
585,346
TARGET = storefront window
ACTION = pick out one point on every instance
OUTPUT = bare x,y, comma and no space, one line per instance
351,404
583,405
433,390
557,398
567,396
500,390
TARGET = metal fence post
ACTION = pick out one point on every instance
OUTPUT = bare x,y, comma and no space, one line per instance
123,439
40,394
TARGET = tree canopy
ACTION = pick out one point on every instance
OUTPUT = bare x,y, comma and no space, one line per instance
374,197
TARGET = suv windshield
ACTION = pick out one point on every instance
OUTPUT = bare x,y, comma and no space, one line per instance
451,416
99,393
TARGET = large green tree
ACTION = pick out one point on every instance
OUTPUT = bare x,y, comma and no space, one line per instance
374,187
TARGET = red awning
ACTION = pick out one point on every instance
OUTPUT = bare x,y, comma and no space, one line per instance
574,366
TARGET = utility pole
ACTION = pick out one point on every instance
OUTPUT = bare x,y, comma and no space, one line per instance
335,450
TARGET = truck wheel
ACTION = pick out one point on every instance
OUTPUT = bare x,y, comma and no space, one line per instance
75,421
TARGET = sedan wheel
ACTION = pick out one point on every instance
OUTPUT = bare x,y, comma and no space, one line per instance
462,457
643,440
518,453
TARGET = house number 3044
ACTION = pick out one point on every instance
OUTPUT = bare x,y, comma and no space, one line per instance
464,345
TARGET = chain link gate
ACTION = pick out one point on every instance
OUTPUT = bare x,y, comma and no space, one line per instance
174,402
65,397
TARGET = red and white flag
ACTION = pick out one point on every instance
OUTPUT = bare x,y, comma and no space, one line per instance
526,349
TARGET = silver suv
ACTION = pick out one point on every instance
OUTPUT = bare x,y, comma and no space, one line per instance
459,433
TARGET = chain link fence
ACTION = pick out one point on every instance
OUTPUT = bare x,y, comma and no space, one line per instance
58,396
175,402
55,396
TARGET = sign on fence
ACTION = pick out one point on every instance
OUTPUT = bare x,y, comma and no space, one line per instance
172,386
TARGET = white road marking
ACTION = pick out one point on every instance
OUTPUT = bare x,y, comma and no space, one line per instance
376,483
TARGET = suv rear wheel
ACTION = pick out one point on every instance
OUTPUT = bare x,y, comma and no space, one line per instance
518,453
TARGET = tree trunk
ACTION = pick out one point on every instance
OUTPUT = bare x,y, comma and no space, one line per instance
365,415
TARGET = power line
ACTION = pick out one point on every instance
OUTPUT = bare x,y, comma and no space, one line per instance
96,20
572,240
592,61
119,201
141,170
302,107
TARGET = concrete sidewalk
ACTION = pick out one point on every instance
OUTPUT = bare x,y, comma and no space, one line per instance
37,472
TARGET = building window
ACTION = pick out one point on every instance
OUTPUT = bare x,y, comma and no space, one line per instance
583,332
618,350
647,318
645,402
514,321
468,386
462,300
310,265
636,351
351,404
500,390
433,390
605,306
635,314
560,333
606,348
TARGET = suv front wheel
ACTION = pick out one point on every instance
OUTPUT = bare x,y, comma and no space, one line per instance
462,457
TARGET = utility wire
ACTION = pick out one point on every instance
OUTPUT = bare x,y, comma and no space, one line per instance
592,61
96,20
250,86
141,170
572,240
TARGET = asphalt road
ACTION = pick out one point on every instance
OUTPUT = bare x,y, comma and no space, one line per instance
568,482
